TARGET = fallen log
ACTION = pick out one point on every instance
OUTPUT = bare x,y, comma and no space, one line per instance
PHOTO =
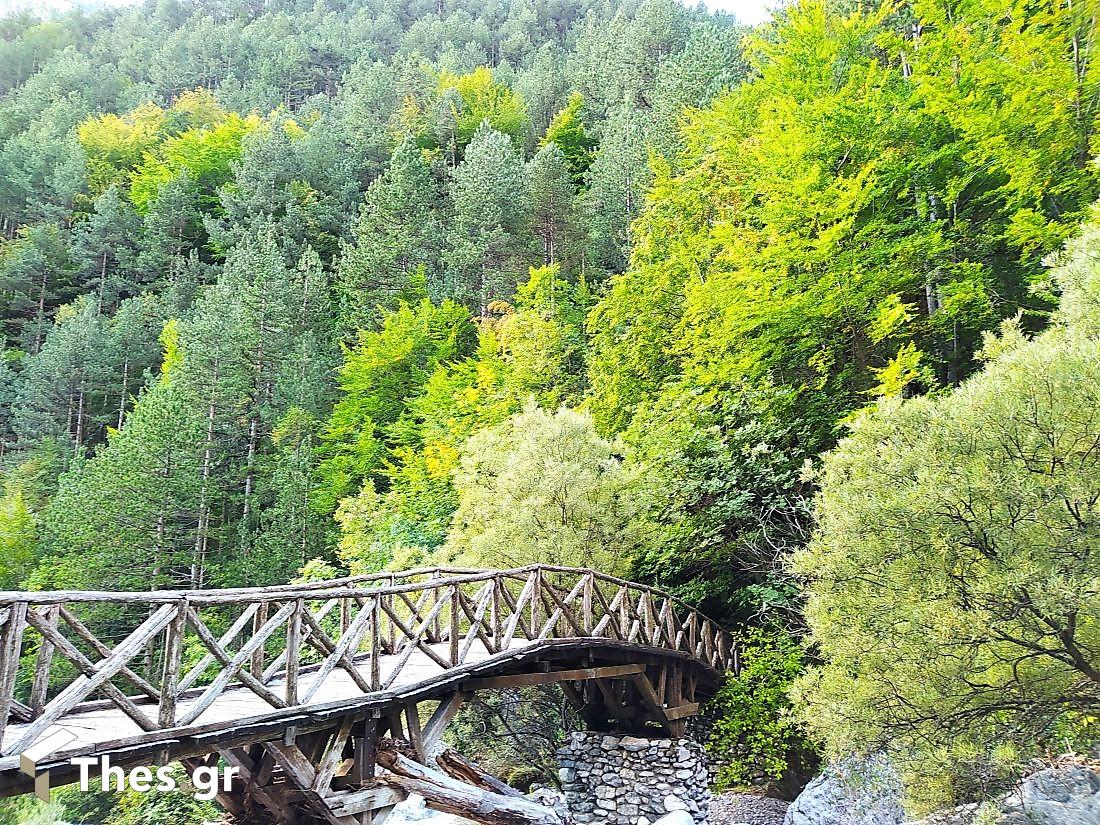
456,765
444,793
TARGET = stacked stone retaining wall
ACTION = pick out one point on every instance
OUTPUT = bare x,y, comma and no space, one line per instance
629,780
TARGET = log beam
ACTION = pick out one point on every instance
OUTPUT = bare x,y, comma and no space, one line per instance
549,677
443,793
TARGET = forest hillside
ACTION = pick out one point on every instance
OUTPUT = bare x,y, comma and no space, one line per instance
766,317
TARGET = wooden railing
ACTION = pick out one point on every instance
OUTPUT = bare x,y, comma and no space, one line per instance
145,652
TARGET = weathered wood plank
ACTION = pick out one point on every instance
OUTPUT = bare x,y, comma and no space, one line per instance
441,717
226,639
326,769
321,642
293,651
173,654
87,636
235,666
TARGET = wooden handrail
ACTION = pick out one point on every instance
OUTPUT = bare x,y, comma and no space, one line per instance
297,635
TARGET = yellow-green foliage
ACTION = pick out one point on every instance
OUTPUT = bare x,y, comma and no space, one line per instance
116,145
542,487
458,105
952,582
204,154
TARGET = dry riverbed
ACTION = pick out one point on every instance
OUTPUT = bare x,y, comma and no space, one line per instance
746,809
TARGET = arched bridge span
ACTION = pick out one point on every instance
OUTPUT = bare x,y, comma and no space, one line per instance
296,685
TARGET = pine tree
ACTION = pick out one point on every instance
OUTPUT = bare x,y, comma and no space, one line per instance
617,181
133,347
61,387
490,244
125,519
551,194
398,241
105,250
35,278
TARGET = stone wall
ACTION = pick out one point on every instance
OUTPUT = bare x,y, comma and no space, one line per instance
628,780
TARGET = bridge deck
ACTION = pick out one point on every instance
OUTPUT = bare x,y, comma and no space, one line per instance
238,705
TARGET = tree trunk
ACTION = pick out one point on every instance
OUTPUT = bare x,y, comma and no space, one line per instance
459,767
199,556
125,389
442,793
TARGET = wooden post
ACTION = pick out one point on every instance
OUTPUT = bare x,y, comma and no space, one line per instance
393,628
453,633
173,656
293,651
434,634
376,643
41,685
256,668
586,603
536,601
495,612
362,769
11,643
412,724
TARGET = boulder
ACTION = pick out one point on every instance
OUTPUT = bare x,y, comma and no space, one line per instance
854,791
1062,795
675,818
674,803
1066,795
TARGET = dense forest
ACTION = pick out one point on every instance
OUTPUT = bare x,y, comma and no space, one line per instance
766,317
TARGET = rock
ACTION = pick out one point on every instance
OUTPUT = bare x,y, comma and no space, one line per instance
676,818
674,803
1066,795
962,815
851,792
1062,795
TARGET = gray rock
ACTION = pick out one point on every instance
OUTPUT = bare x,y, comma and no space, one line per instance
1068,795
962,815
676,818
851,792
1063,795
674,803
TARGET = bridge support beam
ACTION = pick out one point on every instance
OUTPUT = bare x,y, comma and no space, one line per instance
354,772
630,780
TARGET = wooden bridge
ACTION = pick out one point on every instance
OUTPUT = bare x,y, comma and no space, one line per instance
313,690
